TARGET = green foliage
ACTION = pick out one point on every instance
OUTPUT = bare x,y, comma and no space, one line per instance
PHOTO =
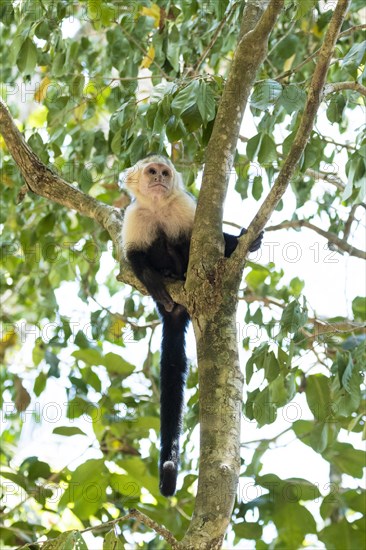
89,378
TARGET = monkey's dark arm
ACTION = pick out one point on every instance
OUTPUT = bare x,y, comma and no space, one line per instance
231,242
152,279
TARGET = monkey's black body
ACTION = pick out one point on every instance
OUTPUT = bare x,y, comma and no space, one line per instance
167,258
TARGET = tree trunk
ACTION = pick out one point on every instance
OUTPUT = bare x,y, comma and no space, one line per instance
221,386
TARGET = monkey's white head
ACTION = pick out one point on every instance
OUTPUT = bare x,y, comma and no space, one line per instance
153,178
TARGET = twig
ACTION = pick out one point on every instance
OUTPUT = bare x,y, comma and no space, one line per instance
282,38
351,30
349,222
328,139
138,46
298,67
303,133
214,38
313,55
331,237
266,441
339,86
108,523
328,177
167,535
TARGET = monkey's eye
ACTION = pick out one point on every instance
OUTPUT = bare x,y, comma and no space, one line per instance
152,171
165,173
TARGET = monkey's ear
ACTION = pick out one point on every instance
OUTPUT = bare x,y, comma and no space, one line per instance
131,178
178,179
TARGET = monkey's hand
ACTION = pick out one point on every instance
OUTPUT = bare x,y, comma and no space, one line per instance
256,244
162,296
159,293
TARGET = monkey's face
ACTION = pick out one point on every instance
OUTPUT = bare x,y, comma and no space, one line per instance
156,179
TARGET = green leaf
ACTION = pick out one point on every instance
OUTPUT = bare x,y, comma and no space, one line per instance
289,490
303,7
359,308
46,224
117,366
175,128
247,530
88,486
112,541
282,389
257,188
296,286
354,57
342,535
293,522
267,151
319,437
137,468
27,57
258,359
79,406
265,94
173,49
42,30
256,278
89,356
206,102
293,317
336,108
347,459
58,65
356,500
40,383
318,396
253,145
346,387
69,540
38,469
16,478
185,98
68,431
271,367
292,98
347,375
192,120
139,148
264,409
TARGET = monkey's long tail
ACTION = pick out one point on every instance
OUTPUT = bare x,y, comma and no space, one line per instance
173,372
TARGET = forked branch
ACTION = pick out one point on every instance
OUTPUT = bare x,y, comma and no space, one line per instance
313,101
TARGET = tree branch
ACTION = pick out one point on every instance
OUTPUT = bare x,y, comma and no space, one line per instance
167,535
142,518
314,98
132,514
44,182
349,222
328,177
331,237
339,86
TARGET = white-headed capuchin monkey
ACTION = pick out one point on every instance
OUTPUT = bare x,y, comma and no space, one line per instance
156,235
